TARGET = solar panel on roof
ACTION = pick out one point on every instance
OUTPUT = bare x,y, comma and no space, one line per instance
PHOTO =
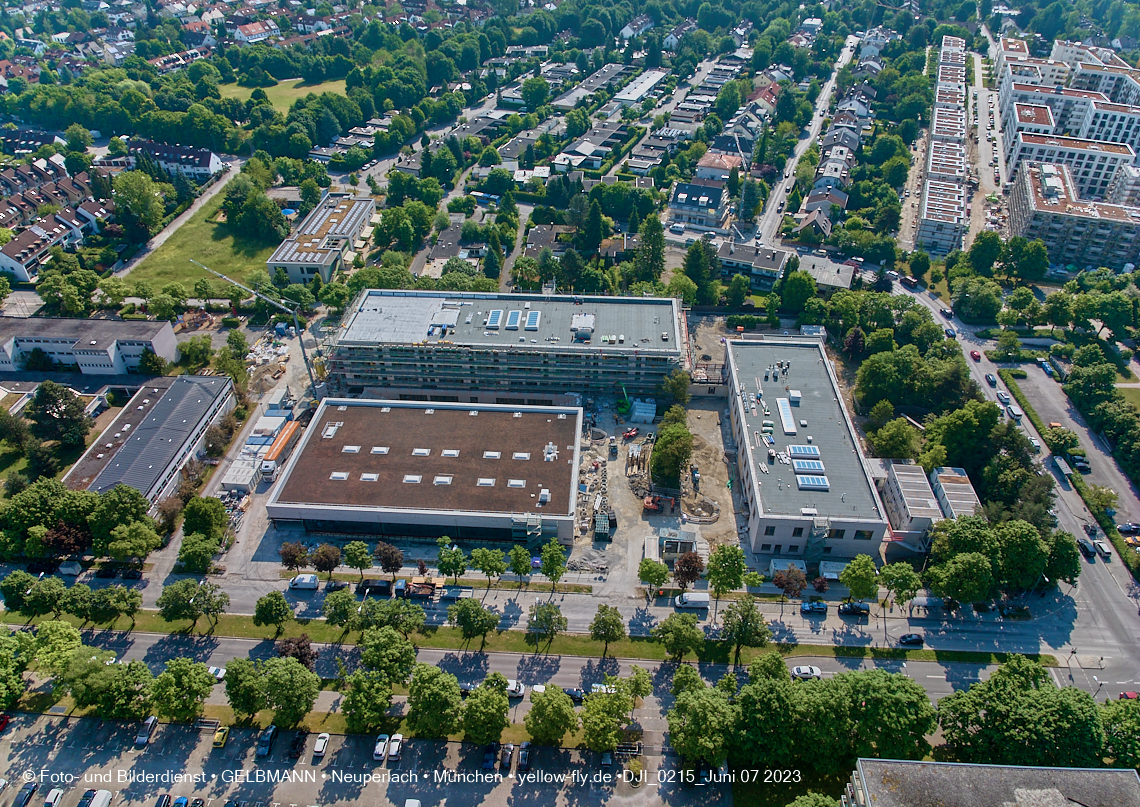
807,466
803,451
494,319
811,482
513,318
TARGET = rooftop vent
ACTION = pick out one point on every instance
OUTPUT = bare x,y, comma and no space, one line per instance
450,452
350,450
421,452
492,455
442,480
516,483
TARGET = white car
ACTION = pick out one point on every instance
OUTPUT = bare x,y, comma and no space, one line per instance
395,747
515,689
678,229
54,797
219,673
321,745
806,673
380,752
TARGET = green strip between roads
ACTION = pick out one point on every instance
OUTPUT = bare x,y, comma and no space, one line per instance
514,641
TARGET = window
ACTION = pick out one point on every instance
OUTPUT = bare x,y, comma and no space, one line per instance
350,450
421,452
765,547
797,532
369,477
516,483
769,530
451,452
412,479
521,455
486,482
379,449
442,480
827,550
793,548
863,535
492,455
339,476
836,534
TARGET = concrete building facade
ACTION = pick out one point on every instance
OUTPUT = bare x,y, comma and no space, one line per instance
93,346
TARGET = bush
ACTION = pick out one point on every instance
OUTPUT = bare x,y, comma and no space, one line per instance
746,321
135,317
1018,373
129,308
230,322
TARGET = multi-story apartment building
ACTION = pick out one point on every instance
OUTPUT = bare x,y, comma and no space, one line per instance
943,217
1092,163
1044,204
1125,187
1067,104
318,245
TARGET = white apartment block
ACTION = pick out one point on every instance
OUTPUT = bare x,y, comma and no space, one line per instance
948,123
1010,50
943,218
912,508
1044,204
1125,187
951,74
1078,53
1113,123
946,161
1067,104
950,95
1092,163
1031,118
1120,84
954,492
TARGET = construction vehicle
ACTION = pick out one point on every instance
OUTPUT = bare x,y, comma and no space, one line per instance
630,433
696,473
653,504
613,447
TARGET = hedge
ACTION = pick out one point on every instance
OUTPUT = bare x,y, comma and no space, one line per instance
230,322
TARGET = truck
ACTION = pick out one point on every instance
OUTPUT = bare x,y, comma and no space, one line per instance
421,588
280,450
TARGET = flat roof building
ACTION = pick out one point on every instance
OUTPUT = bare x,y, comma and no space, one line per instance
1067,104
954,491
157,433
943,217
478,472
606,76
948,123
804,479
912,507
318,245
1092,163
1125,187
638,90
93,346
523,347
946,161
906,783
1044,204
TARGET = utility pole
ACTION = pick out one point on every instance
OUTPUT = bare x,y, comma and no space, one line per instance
277,304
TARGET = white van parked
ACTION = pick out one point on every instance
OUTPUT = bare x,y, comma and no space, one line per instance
308,581
692,599
102,798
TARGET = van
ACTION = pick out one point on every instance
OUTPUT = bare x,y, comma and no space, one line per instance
1103,549
145,730
102,798
691,599
304,581
1015,412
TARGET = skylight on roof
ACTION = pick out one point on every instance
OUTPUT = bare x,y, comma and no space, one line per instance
339,476
350,450
521,455
369,477
516,483
421,452
379,449
492,455
450,452
413,479
812,482
444,479
486,482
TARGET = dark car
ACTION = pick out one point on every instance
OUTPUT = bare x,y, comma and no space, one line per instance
163,800
132,574
991,379
1086,547
88,796
946,312
265,742
813,608
524,757
911,639
1128,528
375,588
466,689
335,585
198,803
855,609
950,333
489,755
505,756
298,746
24,797
574,693
107,572
43,566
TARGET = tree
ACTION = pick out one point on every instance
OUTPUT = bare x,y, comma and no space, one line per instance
686,679
77,600
1121,720
294,555
812,799
602,717
725,571
919,265
796,289
966,577
180,601
738,290
472,619
653,573
206,515
676,386
197,552
680,635
687,569
551,717
592,235
367,698
108,604
451,560
339,608
181,689
897,440
55,642
13,588
485,711
139,203
272,609
335,295
901,580
649,263
553,563
984,252
534,92
133,541
46,597
861,578
671,453
891,715
127,694
701,725
214,601
386,652
57,414
290,689
434,702
790,581
357,556
390,558
325,558
744,626
520,562
245,686
607,626
299,648
1064,558
489,561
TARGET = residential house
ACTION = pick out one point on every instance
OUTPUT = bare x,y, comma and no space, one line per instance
673,39
546,236
700,204
718,166
762,265
256,31
198,164
815,222
637,26
824,199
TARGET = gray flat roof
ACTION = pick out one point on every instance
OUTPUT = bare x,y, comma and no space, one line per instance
154,441
819,420
405,317
85,330
413,455
895,783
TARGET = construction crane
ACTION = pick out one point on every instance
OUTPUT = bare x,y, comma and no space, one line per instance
277,304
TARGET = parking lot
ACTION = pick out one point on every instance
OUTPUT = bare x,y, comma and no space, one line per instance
79,754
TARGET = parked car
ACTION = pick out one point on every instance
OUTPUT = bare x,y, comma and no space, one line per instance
1003,396
182,801
4,721
946,312
506,755
575,694
490,753
677,229
298,745
24,797
54,797
265,742
950,333
1103,549
1086,547
991,379
335,585
380,750
806,673
515,689
1128,528
855,608
107,572
321,745
1129,696
48,566
163,800
911,639
395,747
524,757
975,355
220,736
813,608
132,574
219,673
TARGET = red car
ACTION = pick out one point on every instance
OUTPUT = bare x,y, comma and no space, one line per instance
975,355
4,722
1129,696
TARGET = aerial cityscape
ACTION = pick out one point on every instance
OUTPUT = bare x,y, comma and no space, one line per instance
556,402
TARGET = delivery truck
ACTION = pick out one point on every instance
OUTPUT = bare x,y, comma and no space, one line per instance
280,450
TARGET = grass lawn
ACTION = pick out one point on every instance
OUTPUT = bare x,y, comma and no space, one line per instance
1130,394
284,94
206,242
